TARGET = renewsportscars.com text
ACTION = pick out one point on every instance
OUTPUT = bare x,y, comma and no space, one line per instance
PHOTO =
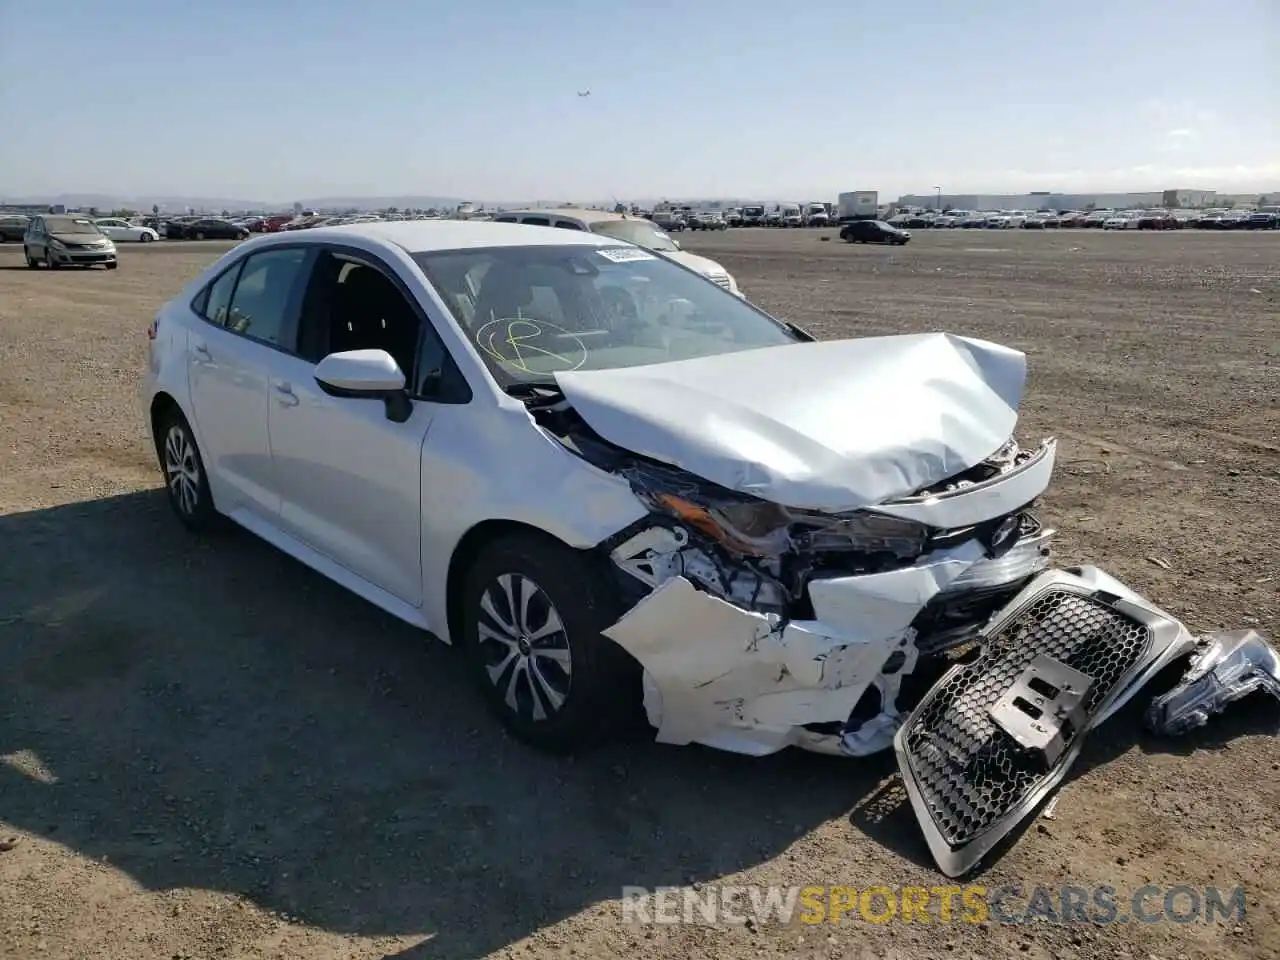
973,904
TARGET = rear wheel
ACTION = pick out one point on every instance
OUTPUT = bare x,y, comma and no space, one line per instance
533,612
186,482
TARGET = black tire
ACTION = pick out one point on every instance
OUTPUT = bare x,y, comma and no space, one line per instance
113,265
146,238
199,234
49,261
200,515
599,694
32,262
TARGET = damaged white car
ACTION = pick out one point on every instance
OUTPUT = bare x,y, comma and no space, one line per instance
613,482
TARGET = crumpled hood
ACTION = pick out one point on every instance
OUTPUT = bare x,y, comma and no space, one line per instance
832,426
78,238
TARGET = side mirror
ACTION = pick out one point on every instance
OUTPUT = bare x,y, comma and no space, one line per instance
366,375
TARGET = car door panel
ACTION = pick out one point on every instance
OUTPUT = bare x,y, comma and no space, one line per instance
248,311
350,479
227,376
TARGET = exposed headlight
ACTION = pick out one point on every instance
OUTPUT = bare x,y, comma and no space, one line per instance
760,529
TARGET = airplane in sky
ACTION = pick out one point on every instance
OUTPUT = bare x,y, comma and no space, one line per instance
584,93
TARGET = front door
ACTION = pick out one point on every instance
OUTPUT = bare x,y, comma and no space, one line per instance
350,479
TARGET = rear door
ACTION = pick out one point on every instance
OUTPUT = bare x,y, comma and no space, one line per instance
248,312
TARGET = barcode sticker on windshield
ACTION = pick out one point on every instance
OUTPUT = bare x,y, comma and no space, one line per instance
626,254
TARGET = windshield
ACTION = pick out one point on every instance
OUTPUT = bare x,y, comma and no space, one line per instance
535,311
70,225
753,211
640,232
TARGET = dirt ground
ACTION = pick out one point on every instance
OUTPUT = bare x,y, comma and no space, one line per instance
211,752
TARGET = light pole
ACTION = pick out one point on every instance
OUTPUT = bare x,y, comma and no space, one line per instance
938,202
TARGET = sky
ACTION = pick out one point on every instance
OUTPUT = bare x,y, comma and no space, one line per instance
279,100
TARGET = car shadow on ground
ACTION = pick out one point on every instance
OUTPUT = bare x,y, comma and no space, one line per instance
208,713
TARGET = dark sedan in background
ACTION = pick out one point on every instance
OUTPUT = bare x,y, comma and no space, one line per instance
209,229
12,228
872,231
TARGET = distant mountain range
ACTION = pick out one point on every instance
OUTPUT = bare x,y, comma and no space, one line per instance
178,203
175,203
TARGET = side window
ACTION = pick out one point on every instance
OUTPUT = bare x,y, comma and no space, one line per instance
353,305
507,219
567,225
537,221
261,300
214,301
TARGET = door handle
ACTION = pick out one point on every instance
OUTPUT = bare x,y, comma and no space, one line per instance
285,395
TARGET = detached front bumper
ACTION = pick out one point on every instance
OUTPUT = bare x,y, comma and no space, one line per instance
754,683
986,744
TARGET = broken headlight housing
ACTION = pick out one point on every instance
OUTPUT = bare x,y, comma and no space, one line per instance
757,528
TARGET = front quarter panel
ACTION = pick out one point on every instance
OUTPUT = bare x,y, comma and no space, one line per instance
485,462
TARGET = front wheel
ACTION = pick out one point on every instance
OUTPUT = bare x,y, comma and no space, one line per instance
186,482
199,234
533,612
32,262
146,238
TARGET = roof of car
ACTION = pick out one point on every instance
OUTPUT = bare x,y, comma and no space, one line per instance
568,213
420,236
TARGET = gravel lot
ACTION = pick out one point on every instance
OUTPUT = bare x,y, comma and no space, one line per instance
210,751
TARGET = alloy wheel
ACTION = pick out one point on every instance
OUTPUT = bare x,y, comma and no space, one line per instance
182,470
525,647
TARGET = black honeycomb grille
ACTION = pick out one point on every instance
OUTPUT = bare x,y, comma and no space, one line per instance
970,772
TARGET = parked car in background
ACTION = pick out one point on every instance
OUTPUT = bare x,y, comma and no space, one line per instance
669,220
209,228
637,230
707,221
12,228
1157,220
1264,218
122,231
873,231
65,240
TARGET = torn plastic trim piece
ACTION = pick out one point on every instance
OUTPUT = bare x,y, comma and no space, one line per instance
1230,665
968,780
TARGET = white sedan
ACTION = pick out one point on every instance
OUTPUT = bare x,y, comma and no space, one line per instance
616,486
122,231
